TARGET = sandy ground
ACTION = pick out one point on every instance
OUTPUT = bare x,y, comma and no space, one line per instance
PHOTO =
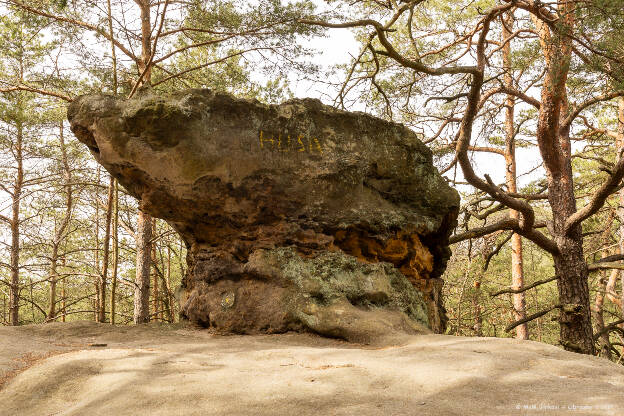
177,370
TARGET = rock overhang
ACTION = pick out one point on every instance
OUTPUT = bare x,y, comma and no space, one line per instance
236,176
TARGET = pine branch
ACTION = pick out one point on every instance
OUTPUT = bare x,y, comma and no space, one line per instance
524,288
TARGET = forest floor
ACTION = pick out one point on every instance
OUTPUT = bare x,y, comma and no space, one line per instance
84,368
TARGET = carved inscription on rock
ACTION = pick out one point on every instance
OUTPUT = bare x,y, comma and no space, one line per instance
288,143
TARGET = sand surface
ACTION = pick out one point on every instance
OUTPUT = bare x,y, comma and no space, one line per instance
63,369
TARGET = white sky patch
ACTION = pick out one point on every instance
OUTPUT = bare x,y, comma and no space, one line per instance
338,47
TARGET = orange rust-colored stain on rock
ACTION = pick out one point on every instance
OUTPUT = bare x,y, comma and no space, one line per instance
395,250
408,254
405,251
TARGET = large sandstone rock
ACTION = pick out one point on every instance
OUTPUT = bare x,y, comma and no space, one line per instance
297,216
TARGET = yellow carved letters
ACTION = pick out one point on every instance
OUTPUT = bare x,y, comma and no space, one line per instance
318,146
314,145
302,148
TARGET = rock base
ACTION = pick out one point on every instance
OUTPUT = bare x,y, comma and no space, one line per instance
278,290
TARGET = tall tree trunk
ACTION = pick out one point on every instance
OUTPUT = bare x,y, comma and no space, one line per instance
146,39
15,227
59,235
605,344
620,210
155,274
170,301
143,254
63,296
476,306
112,45
607,286
575,331
115,251
574,316
53,279
517,273
610,288
605,348
114,181
144,228
106,253
96,301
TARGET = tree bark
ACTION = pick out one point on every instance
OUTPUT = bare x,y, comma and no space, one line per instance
146,40
610,287
155,276
96,301
115,251
144,228
605,345
15,228
59,235
53,279
170,302
106,253
554,144
517,273
476,306
142,283
114,181
620,210
570,266
63,296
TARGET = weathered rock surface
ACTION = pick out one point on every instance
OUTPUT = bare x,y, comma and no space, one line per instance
297,216
164,370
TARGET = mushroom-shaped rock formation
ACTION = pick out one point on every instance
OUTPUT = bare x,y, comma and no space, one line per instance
297,216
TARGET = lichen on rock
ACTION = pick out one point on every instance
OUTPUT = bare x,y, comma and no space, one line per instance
297,216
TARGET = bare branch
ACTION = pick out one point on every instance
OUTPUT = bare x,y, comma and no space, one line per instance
23,87
390,51
605,265
610,186
195,68
78,23
608,328
496,250
504,224
578,109
509,224
524,288
531,317
148,64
